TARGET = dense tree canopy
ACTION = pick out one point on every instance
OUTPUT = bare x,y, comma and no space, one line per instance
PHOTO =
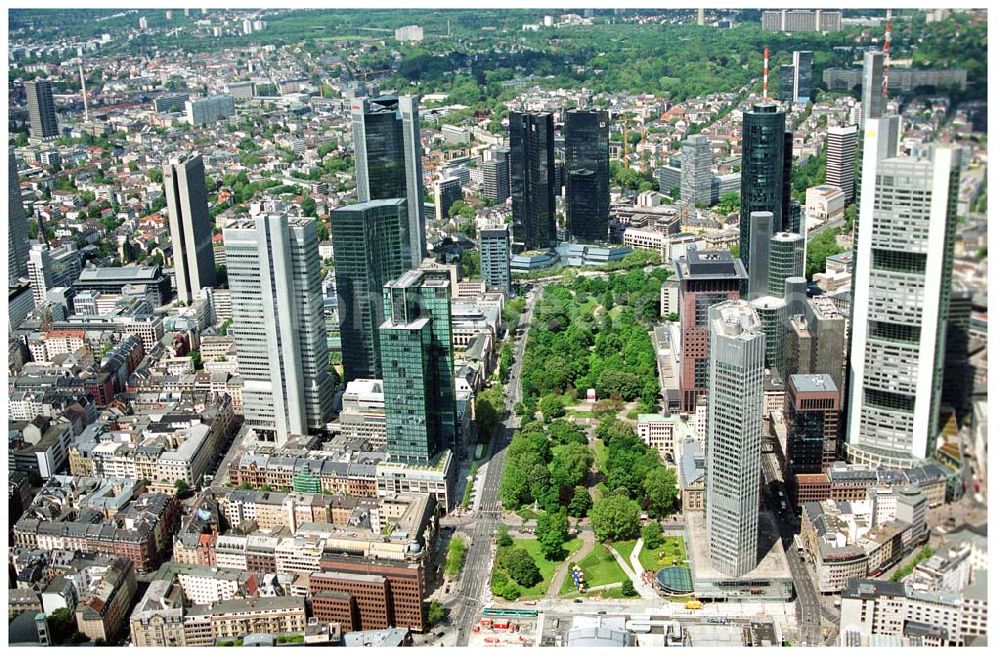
615,518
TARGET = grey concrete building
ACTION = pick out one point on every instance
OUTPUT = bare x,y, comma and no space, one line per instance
696,170
41,109
496,175
190,225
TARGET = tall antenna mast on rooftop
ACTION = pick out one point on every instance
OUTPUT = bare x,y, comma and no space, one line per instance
83,87
885,49
766,55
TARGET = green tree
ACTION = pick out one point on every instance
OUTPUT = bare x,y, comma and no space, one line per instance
628,588
652,535
581,502
62,626
551,407
182,487
615,518
551,531
660,487
564,432
503,536
436,613
571,465
519,565
309,206
820,247
728,203
155,174
488,406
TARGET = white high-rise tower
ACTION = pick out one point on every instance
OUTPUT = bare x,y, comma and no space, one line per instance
902,284
274,278
733,436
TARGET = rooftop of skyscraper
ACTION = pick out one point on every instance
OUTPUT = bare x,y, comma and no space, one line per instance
813,383
365,205
697,264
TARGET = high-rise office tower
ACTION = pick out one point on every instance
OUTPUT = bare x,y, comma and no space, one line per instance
956,387
207,110
696,170
872,101
765,178
703,279
812,417
52,268
496,175
40,272
367,250
761,230
903,268
190,226
815,342
17,226
446,193
733,436
274,281
773,311
786,258
841,158
41,109
532,180
802,60
417,365
786,83
387,161
494,257
588,199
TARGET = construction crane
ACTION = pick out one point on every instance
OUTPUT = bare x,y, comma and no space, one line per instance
885,50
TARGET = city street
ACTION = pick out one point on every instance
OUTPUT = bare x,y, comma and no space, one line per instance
478,558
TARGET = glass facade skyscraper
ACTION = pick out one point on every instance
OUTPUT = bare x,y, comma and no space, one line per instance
532,180
387,161
17,225
802,60
765,179
418,377
367,240
588,199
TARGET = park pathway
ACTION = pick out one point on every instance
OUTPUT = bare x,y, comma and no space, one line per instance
645,591
560,575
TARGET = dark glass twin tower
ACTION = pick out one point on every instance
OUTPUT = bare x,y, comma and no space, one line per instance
533,178
587,199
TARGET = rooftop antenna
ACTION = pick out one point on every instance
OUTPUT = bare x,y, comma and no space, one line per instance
766,57
885,49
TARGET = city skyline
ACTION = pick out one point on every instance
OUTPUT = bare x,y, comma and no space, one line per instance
519,327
